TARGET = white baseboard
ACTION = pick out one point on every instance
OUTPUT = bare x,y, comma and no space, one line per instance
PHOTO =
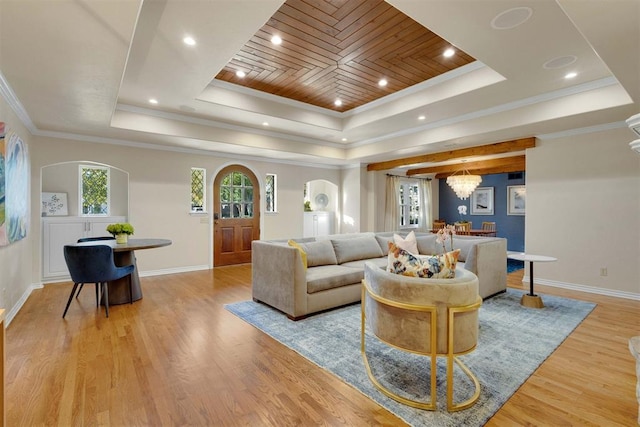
18,305
583,288
188,269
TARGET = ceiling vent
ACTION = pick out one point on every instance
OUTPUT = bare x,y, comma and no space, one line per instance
515,175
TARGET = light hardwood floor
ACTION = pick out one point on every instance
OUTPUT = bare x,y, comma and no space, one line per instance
177,357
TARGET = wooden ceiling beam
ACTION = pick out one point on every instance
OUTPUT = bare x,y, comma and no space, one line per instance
483,150
479,165
513,167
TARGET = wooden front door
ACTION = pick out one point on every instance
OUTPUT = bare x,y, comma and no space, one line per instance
236,220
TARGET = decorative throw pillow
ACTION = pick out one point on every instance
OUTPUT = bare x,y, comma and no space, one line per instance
409,243
443,266
403,262
319,253
303,254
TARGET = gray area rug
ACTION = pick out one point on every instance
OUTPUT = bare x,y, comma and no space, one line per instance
513,342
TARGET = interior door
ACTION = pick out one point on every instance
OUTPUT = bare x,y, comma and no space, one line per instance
236,221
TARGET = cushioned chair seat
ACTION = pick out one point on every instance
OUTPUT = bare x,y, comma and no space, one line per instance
402,311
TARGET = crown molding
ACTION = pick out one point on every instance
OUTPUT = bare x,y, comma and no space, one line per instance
10,97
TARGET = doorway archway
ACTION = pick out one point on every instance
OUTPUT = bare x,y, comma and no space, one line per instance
236,215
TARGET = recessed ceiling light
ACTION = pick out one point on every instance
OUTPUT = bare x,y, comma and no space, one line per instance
189,41
338,102
276,39
153,101
421,117
382,82
570,75
344,139
265,124
449,53
240,73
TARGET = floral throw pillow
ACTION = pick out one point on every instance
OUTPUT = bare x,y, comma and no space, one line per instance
403,262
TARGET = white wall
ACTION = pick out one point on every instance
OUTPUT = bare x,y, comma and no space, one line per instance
583,207
350,200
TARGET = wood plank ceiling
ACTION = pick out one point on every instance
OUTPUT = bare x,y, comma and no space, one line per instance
340,49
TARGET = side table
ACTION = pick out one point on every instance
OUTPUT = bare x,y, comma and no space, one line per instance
531,300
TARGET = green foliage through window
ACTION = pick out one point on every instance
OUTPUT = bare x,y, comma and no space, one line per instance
198,181
95,190
270,192
236,196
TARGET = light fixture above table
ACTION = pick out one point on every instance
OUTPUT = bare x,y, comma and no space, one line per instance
464,184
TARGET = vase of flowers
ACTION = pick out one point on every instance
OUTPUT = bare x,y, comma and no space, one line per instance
444,234
120,231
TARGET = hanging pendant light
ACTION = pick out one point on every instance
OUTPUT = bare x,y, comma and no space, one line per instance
464,184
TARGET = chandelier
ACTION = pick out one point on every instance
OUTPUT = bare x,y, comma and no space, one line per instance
463,185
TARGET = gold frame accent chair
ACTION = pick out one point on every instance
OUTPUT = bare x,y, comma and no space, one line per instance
400,311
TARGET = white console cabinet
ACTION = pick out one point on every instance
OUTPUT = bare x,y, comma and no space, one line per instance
317,223
60,231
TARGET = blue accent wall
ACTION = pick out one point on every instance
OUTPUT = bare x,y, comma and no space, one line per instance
510,227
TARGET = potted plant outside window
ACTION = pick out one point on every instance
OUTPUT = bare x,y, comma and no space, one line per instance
120,231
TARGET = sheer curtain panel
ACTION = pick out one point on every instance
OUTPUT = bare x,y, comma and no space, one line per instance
392,204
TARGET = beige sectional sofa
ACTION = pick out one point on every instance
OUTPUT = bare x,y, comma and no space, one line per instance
335,268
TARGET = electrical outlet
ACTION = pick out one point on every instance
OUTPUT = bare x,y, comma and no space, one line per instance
603,271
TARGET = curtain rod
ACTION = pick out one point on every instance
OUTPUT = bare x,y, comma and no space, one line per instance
408,177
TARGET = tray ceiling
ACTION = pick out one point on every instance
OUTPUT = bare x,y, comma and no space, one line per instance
340,50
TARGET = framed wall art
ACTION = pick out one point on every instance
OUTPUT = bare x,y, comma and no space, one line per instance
516,199
482,201
54,204
14,187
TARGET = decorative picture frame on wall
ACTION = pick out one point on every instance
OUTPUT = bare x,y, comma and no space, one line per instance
54,204
482,201
516,199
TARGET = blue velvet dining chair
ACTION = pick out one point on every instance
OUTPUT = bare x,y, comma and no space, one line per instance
92,239
94,264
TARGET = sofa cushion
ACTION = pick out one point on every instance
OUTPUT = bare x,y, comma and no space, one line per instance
426,244
408,243
383,241
356,248
327,277
436,267
380,262
319,253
